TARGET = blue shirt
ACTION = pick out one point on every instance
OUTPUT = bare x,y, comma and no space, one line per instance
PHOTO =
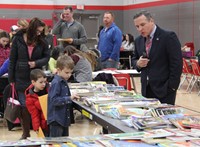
4,67
110,41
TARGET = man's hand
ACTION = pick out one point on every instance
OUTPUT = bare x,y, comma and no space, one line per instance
70,40
142,62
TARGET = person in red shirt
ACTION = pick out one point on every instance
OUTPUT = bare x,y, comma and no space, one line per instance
4,47
36,89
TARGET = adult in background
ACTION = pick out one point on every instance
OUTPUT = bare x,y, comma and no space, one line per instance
69,29
22,24
99,31
82,71
53,60
110,41
49,37
29,51
158,56
13,31
4,47
129,43
4,54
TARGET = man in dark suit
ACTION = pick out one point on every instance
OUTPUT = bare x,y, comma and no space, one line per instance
158,56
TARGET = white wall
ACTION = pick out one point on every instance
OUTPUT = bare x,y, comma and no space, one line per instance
74,2
131,2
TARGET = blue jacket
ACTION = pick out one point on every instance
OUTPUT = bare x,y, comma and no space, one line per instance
4,67
59,102
110,43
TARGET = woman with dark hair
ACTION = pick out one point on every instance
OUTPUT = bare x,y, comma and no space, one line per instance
4,47
29,51
129,43
4,54
82,70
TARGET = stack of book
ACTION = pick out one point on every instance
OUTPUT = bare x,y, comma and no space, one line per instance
166,110
149,122
186,122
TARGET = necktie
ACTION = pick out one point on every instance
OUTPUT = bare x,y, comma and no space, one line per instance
148,45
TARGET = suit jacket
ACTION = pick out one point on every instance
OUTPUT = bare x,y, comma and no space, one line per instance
165,66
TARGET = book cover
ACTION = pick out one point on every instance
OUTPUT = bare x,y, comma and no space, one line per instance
43,103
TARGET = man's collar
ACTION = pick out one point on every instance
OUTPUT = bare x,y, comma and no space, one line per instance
106,28
153,32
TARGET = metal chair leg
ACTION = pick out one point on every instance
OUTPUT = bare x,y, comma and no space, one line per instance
188,88
192,85
182,81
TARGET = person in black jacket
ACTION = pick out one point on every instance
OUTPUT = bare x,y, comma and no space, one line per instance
29,51
158,56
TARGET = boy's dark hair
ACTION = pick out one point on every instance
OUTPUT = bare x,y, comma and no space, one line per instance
65,61
36,74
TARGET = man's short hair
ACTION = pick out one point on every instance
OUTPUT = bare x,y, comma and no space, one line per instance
36,74
69,7
146,13
111,13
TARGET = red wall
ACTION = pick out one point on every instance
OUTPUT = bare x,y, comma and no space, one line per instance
7,23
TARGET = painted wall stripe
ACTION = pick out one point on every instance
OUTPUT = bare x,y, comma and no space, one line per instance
94,7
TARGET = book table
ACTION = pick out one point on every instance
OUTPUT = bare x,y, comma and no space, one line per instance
108,124
132,72
111,125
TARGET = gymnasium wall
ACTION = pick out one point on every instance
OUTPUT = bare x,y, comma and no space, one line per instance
181,16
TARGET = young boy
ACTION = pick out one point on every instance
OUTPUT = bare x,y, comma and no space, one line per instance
37,88
59,112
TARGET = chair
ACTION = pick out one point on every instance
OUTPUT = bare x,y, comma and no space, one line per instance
126,55
123,80
187,70
191,46
196,73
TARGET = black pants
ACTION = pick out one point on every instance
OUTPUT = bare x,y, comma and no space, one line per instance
169,99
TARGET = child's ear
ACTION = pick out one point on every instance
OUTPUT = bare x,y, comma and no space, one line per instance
33,82
58,70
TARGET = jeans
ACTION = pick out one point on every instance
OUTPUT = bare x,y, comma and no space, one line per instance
22,98
56,130
109,64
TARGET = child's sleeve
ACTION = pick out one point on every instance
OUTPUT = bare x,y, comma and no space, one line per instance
34,112
54,95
